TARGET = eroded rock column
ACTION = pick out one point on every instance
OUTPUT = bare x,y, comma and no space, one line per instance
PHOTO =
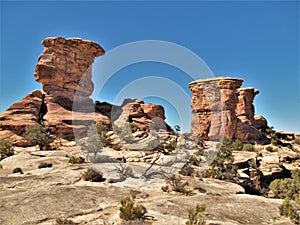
213,106
64,69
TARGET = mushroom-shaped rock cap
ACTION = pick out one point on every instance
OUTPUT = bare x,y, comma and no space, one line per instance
96,49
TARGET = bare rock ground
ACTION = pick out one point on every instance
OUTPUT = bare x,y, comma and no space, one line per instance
41,196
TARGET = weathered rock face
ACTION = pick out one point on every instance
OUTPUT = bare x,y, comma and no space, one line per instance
17,117
221,108
64,69
64,62
143,115
213,107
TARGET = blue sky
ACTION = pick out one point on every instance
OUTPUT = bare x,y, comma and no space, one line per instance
257,41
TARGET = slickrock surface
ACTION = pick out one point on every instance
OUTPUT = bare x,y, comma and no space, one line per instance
221,108
40,196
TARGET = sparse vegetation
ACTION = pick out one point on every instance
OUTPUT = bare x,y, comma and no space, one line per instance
133,127
92,144
18,170
248,147
76,160
93,175
270,149
196,215
102,131
297,141
6,149
186,170
222,166
289,190
44,165
130,211
38,135
178,185
124,133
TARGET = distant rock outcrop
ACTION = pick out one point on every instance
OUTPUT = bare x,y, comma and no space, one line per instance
222,109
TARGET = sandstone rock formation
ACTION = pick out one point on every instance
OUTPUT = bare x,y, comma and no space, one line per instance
64,105
145,116
64,69
221,108
17,117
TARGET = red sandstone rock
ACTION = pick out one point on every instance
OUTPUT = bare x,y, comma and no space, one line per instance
64,62
17,117
220,108
213,106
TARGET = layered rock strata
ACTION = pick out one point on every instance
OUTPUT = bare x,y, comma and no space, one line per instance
64,106
222,109
64,69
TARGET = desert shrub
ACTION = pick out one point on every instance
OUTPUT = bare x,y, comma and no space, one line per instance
222,165
44,165
237,145
92,144
6,149
297,141
38,135
270,149
102,131
186,170
93,175
76,160
178,185
248,147
289,189
124,133
129,211
165,188
291,209
18,170
133,127
196,215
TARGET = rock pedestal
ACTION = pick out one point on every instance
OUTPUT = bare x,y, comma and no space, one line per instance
222,109
64,69
213,107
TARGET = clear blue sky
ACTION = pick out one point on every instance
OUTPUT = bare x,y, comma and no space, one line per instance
257,41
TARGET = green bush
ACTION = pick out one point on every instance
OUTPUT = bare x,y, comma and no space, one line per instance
222,165
6,149
248,147
102,131
124,133
76,160
270,149
178,185
92,144
186,170
196,215
133,127
93,175
38,135
129,211
289,189
237,145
